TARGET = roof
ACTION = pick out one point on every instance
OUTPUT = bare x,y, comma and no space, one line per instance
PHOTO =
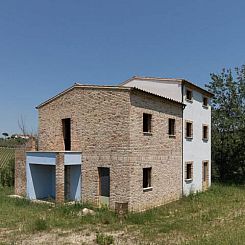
166,98
177,80
77,85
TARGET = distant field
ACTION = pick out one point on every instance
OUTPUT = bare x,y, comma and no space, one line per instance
214,217
6,154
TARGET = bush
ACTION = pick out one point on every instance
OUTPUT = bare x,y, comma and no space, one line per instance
40,225
7,174
103,239
12,143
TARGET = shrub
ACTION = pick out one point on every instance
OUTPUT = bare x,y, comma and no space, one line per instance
39,225
7,174
21,202
103,239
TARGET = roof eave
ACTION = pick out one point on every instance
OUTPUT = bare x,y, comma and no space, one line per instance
165,98
77,85
56,96
150,79
179,80
204,91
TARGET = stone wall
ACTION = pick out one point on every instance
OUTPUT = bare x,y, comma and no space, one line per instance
59,178
99,129
158,150
106,126
20,166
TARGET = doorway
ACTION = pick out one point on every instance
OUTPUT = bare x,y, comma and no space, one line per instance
104,186
41,182
205,175
72,182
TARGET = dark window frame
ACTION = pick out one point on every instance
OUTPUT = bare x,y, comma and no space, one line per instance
66,129
147,178
147,123
205,166
205,132
205,102
171,127
189,170
189,92
189,131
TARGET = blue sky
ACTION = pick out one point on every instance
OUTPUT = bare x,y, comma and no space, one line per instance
46,46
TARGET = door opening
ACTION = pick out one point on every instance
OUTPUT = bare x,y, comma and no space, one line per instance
72,182
104,185
66,123
205,175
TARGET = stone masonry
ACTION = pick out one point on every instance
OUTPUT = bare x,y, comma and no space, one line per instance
106,126
99,129
59,176
20,166
157,150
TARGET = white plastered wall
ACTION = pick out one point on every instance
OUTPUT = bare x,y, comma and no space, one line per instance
196,149
168,88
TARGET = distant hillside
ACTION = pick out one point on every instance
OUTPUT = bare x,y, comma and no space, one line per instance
11,143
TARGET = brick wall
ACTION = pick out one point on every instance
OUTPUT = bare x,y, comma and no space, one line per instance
20,166
106,126
156,150
60,178
99,129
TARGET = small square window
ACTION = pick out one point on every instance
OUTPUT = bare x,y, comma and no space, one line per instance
147,123
189,94
189,170
205,132
205,102
171,126
146,177
189,130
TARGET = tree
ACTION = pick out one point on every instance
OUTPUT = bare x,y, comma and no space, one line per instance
228,124
5,135
24,129
22,125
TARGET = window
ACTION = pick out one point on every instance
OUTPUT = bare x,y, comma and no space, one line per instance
205,132
171,126
146,178
188,170
205,102
189,94
205,171
189,130
66,124
147,123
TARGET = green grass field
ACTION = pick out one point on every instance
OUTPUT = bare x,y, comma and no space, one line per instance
214,217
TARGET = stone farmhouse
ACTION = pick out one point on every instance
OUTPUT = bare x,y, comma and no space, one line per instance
140,144
196,127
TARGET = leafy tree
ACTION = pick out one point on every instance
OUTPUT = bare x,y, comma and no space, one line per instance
5,135
228,124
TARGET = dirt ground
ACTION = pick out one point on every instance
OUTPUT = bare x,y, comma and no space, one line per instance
62,237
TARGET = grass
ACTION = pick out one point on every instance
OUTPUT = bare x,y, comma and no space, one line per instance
214,217
103,239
